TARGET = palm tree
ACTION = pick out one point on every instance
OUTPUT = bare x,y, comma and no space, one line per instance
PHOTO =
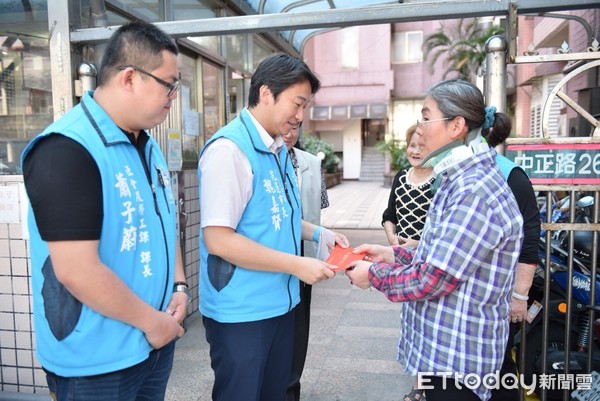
463,44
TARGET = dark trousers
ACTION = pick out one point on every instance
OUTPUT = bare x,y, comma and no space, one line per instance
251,360
301,331
508,366
145,381
444,391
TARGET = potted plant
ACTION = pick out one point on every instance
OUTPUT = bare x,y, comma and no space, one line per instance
329,160
395,151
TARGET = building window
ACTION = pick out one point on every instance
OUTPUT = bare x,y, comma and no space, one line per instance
350,48
235,50
535,123
149,10
192,138
407,47
541,90
26,107
404,114
187,10
213,98
320,113
260,51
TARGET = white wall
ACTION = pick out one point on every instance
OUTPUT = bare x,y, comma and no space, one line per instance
352,151
336,138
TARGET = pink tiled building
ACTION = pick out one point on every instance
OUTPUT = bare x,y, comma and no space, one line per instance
374,78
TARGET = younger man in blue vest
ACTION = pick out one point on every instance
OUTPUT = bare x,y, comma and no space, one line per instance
105,257
251,223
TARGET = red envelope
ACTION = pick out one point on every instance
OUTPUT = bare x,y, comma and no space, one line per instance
342,257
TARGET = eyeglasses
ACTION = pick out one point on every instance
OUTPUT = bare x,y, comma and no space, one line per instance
420,123
173,87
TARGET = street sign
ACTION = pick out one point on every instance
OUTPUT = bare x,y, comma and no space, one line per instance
558,163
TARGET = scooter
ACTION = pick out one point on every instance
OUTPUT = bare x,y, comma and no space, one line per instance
580,301
559,213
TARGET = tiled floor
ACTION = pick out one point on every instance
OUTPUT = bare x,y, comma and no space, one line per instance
354,333
351,353
355,205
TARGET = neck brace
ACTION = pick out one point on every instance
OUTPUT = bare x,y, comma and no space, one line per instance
455,152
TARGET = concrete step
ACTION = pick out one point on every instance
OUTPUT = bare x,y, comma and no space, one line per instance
366,162
372,165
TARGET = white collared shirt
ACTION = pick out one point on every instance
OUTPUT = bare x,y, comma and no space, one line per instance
227,176
275,144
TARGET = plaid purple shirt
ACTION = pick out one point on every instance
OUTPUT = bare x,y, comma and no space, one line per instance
459,280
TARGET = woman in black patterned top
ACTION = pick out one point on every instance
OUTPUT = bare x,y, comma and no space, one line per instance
409,200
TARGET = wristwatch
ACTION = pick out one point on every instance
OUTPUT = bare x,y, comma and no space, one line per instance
181,286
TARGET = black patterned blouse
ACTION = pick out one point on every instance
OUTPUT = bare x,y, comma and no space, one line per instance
408,205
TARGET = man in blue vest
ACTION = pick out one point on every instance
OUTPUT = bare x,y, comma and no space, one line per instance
108,283
250,212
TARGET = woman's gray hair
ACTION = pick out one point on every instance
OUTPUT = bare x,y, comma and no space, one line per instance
457,98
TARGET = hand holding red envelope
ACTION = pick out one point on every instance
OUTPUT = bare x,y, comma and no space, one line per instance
341,258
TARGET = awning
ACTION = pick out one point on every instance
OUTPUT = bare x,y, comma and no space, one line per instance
297,38
315,16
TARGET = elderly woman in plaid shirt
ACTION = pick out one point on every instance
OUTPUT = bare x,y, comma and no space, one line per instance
458,281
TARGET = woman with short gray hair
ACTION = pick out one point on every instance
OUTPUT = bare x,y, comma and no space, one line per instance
457,283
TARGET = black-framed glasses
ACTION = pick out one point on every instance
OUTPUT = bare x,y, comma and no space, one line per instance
173,87
421,123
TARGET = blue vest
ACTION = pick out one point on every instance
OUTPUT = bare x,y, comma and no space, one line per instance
272,217
505,165
137,243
